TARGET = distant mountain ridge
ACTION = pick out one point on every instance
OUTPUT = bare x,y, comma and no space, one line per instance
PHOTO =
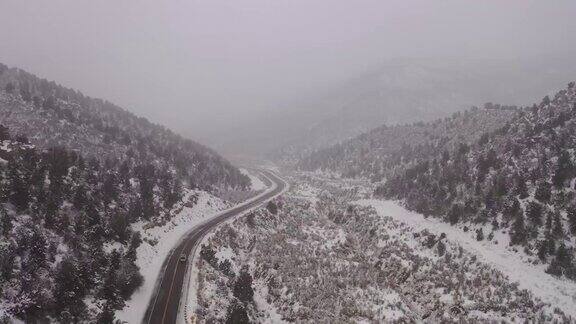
410,90
382,152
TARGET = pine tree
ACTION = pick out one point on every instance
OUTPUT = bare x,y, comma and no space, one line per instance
120,226
80,198
146,178
557,229
25,91
521,189
109,290
5,222
4,134
564,169
171,190
19,190
534,213
225,267
124,173
135,241
562,263
492,159
243,287
454,214
479,235
441,248
490,202
543,192
571,213
7,258
107,315
512,208
500,186
518,234
542,250
51,212
129,278
9,87
208,254
272,207
38,250
70,289
549,221
109,189
546,247
237,314
38,102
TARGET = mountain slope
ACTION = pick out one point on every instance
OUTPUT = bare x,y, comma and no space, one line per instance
520,179
509,172
81,181
49,115
406,91
386,150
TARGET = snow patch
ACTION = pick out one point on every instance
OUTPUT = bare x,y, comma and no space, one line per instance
157,242
256,183
559,292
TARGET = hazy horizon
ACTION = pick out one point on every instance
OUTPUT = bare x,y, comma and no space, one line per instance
201,67
365,161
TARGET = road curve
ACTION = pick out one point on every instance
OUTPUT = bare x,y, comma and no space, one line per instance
163,307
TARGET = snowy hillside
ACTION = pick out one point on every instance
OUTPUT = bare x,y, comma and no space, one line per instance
494,251
158,241
519,179
316,257
385,150
510,170
51,115
408,90
86,189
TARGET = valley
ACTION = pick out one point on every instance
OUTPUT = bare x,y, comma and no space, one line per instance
287,162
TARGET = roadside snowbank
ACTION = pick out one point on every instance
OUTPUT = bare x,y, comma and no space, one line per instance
256,183
192,278
157,242
557,292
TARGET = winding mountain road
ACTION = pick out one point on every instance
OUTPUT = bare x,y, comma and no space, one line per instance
163,307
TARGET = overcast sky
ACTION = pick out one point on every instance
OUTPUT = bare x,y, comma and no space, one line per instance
199,65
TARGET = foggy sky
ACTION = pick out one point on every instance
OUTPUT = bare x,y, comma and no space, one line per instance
201,65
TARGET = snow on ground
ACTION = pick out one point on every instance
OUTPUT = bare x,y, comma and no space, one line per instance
192,283
158,241
10,319
192,278
306,192
270,312
559,292
256,183
267,310
269,165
